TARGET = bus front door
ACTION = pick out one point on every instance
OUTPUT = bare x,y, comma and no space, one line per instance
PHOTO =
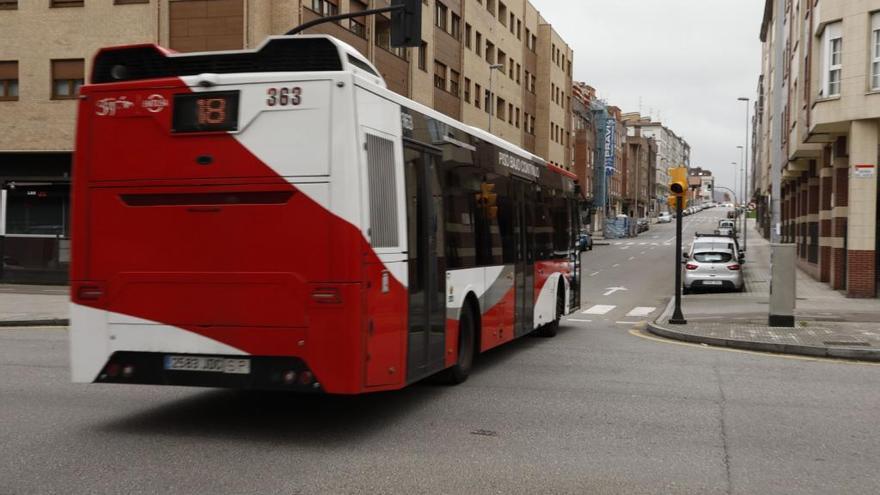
524,239
426,333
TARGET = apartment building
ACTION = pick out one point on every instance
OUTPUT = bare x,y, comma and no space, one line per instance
497,65
641,166
583,147
671,150
819,125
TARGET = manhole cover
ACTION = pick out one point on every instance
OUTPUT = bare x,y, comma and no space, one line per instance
837,342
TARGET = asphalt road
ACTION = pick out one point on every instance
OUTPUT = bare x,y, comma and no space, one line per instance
601,408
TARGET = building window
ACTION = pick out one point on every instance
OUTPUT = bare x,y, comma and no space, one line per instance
478,44
502,14
467,90
490,6
512,22
8,4
502,59
455,27
325,8
439,76
66,3
510,113
832,45
534,43
875,50
499,108
490,52
67,78
477,93
467,35
8,81
358,25
487,101
440,15
129,2
423,56
519,29
454,79
518,72
510,67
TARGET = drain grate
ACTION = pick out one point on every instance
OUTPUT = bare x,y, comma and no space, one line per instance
838,342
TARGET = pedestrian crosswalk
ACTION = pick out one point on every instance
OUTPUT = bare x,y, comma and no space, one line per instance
606,309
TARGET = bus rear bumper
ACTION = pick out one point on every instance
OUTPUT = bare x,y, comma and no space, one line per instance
201,370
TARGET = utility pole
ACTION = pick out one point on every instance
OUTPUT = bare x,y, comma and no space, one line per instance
746,196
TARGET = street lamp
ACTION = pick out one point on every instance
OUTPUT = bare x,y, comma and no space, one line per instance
735,181
742,193
746,197
492,69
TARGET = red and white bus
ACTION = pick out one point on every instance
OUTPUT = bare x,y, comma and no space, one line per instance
277,219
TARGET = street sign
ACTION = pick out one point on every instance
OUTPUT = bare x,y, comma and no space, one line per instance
864,170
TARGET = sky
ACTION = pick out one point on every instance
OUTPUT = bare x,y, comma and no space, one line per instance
684,62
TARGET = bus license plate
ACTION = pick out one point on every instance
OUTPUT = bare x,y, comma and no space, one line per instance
208,364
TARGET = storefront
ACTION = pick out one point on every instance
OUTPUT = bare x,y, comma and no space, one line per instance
34,217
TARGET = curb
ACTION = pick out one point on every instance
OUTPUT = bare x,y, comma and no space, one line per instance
52,322
795,349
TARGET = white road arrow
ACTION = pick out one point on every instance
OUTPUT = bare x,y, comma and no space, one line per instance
612,290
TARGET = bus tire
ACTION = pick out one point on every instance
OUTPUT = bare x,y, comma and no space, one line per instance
551,329
467,330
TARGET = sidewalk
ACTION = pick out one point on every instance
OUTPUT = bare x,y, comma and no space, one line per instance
33,305
826,322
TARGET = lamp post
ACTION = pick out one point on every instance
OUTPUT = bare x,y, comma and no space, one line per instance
492,69
735,182
742,193
746,196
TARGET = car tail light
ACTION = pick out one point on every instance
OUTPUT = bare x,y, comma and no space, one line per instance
691,266
306,378
733,267
113,370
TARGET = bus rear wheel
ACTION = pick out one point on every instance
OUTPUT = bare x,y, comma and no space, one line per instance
459,372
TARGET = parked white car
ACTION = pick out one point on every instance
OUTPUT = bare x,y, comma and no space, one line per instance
664,217
713,267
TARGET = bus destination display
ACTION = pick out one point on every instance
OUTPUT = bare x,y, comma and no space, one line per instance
205,112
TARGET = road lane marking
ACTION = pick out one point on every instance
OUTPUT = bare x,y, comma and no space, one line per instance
641,311
624,247
670,240
612,290
632,258
615,265
595,273
579,319
643,252
630,243
599,309
627,322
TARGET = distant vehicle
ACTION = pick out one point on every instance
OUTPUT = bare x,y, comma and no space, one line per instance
726,227
643,225
664,217
713,267
585,242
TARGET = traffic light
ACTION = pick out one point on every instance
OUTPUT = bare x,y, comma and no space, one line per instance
406,23
678,186
488,200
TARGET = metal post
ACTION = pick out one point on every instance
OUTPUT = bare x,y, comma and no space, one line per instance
746,196
492,69
677,317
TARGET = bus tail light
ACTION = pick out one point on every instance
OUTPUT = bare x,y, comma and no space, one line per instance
691,266
734,267
89,292
326,295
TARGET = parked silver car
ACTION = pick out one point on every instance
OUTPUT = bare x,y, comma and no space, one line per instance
664,217
713,267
